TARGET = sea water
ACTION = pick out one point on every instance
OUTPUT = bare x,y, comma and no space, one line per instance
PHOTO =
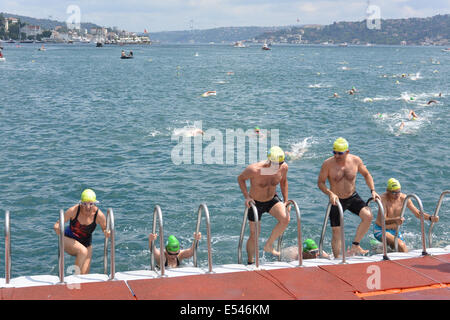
76,116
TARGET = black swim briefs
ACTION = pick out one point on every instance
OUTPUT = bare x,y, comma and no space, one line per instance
262,207
354,203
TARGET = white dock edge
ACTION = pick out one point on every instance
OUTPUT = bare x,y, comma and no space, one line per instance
42,280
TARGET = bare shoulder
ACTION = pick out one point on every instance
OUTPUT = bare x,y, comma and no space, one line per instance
328,162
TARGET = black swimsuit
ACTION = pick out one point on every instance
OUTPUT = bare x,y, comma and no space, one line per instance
262,207
80,232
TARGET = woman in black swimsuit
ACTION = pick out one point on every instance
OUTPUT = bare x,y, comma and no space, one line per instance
83,217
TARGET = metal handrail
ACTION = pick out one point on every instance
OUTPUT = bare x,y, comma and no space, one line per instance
61,246
422,223
7,248
324,227
435,214
157,215
204,208
383,226
241,238
110,228
299,234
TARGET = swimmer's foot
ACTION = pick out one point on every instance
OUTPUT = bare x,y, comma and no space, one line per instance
271,250
356,251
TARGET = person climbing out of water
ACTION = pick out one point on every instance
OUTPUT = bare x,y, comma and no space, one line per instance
340,170
264,177
392,201
84,217
173,253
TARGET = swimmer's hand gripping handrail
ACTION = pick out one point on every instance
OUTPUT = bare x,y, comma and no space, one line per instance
157,215
422,223
241,238
109,228
203,208
383,226
435,214
324,227
7,248
299,234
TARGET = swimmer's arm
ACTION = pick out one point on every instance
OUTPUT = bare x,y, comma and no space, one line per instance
101,219
362,169
243,177
70,213
322,179
156,253
187,253
284,186
416,212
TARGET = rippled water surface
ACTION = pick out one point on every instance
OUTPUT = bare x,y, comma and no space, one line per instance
76,117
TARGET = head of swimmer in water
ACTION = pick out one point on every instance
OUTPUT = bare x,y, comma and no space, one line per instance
340,148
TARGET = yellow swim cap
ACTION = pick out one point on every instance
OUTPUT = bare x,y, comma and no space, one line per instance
88,195
340,145
393,184
275,154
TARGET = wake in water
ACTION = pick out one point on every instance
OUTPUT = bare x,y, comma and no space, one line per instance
298,149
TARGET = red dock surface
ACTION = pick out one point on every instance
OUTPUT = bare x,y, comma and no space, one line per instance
421,278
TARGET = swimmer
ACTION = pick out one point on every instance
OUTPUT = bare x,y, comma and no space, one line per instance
431,101
290,156
335,95
413,115
310,251
196,131
379,115
209,93
402,125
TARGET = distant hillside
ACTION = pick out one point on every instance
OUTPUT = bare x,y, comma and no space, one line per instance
217,35
45,24
413,31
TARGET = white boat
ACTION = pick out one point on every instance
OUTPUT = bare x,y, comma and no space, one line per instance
446,50
2,59
265,47
345,44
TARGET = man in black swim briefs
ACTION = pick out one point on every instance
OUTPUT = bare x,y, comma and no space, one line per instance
264,177
340,170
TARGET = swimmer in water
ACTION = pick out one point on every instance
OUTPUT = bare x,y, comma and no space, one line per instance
335,95
310,251
431,101
402,125
412,115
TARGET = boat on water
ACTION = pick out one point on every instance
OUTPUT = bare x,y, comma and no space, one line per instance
446,50
99,44
344,44
2,59
265,47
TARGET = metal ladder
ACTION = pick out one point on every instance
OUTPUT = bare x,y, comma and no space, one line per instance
422,223
204,208
109,227
383,226
324,227
157,216
7,248
438,207
299,234
241,238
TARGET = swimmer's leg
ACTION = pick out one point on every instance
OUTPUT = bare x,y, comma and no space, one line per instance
251,241
81,253
280,213
366,219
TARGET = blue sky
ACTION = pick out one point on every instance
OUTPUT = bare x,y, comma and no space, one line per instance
169,15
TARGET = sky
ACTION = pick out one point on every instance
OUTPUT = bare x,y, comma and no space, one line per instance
172,15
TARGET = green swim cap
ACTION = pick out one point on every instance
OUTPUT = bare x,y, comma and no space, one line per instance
309,245
173,245
276,154
257,129
393,184
340,145
88,195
